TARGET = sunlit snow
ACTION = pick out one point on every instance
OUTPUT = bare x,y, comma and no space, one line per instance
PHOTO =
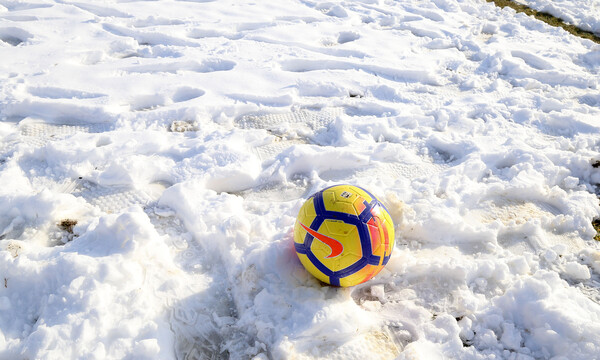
154,156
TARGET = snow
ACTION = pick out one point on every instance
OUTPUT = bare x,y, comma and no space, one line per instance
182,137
581,13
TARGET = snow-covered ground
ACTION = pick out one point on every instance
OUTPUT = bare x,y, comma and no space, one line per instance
582,13
182,137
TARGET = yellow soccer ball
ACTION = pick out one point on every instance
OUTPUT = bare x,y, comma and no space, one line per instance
343,235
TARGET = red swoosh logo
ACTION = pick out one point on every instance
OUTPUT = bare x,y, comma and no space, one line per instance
336,246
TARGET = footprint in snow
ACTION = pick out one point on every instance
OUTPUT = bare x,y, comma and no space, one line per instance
149,38
154,101
200,33
330,9
206,66
11,17
534,61
109,199
287,127
590,99
347,36
14,36
156,21
61,93
197,1
101,11
21,5
312,119
38,132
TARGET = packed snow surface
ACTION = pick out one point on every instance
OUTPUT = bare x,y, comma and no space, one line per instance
154,156
582,13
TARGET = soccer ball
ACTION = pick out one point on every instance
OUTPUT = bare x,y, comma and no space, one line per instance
343,235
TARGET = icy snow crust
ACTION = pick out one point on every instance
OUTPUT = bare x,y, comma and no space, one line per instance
183,137
582,13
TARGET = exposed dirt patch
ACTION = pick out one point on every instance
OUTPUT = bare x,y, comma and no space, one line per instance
67,225
547,18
